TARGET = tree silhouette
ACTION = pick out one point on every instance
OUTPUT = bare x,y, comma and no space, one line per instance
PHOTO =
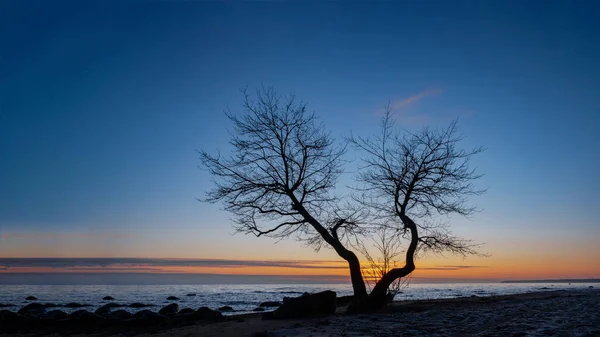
279,182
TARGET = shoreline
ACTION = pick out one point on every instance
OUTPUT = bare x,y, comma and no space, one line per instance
540,313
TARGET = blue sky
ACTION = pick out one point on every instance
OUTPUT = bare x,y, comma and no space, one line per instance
102,106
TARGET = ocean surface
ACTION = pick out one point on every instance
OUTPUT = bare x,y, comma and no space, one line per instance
243,298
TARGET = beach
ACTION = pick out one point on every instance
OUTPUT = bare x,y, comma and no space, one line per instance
548,313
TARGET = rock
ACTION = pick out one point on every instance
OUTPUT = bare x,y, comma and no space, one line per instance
591,287
306,305
32,309
270,304
226,309
173,298
108,298
169,310
148,316
31,298
10,321
105,309
85,317
5,305
186,311
51,305
191,294
120,315
343,300
258,309
55,315
140,305
76,305
207,314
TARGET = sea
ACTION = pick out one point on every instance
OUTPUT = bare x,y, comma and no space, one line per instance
243,298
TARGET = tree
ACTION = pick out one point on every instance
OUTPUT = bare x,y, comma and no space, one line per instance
410,178
280,181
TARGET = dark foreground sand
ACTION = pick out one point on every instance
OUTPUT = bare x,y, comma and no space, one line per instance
555,313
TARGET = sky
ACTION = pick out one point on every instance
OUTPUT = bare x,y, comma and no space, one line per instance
103,106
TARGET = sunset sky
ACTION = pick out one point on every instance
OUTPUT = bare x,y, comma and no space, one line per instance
104,104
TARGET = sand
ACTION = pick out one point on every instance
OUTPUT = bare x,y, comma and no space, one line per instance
552,313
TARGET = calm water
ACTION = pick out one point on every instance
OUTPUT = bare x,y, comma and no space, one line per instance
243,298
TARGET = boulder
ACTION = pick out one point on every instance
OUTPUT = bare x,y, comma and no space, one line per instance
270,304
10,321
226,309
76,305
186,311
148,316
169,310
84,317
120,315
322,303
105,309
191,294
31,298
258,309
108,298
207,314
55,315
32,309
343,300
173,298
140,305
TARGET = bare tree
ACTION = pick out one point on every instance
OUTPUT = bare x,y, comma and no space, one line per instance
410,178
280,178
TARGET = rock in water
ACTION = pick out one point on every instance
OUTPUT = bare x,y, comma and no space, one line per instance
270,304
55,315
33,309
191,294
120,315
173,298
31,298
105,309
76,305
148,316
169,310
258,309
322,303
186,311
140,305
108,298
226,309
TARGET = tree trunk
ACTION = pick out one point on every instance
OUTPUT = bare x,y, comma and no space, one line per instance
358,283
377,297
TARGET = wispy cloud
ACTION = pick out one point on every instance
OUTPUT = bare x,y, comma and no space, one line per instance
146,263
406,102
452,267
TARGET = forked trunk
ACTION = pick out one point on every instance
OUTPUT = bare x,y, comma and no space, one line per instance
377,299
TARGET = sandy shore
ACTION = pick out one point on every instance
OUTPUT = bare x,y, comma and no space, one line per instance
554,313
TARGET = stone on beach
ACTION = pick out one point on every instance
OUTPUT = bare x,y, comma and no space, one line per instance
226,308
322,303
186,311
32,309
148,316
270,304
55,315
105,309
207,314
169,310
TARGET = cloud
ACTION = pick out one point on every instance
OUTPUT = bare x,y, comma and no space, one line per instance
403,103
141,263
451,267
